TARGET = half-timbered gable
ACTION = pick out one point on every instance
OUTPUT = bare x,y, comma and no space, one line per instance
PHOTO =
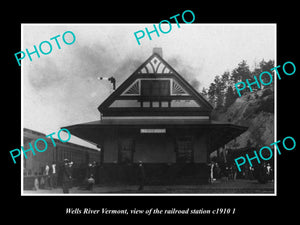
155,89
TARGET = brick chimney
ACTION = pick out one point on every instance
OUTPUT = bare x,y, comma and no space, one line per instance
158,51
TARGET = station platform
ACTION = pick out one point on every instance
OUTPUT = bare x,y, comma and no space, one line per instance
239,186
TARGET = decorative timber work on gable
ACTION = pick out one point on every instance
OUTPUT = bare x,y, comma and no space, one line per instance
155,89
133,90
155,66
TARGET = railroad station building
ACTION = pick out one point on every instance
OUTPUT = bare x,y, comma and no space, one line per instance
157,117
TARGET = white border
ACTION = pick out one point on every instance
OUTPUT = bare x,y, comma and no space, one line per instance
275,115
22,105
156,194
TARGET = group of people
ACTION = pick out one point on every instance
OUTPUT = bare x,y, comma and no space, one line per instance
66,175
217,171
262,173
49,179
85,177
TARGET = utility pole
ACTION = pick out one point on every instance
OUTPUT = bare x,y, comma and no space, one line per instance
111,79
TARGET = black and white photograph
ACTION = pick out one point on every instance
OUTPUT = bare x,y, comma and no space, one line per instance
130,109
143,112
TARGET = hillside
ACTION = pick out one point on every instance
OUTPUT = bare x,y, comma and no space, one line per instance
256,111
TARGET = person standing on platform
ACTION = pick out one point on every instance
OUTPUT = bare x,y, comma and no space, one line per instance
47,178
53,174
234,171
89,170
141,176
71,171
91,182
66,176
36,182
211,172
94,169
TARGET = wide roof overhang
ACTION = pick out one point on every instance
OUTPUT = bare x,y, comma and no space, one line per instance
95,131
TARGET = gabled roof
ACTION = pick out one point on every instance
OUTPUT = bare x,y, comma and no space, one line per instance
155,67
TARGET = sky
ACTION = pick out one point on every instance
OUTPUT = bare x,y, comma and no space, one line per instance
61,88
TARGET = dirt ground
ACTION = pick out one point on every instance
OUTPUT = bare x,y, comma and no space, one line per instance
217,187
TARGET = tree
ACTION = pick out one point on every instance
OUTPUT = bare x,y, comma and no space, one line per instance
241,73
218,89
264,66
230,97
219,92
222,83
212,94
225,79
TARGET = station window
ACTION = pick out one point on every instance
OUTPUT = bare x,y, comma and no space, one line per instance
146,104
155,104
126,149
164,104
184,150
